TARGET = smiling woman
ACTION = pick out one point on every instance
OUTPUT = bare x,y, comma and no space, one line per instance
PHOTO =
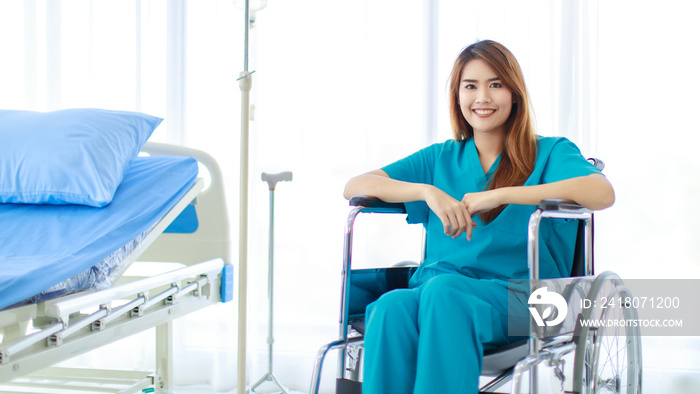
472,195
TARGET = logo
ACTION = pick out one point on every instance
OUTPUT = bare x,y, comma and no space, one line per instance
542,296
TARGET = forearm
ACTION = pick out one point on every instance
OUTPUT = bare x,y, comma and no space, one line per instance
378,184
593,192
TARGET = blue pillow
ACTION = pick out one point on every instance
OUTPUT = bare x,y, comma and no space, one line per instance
72,156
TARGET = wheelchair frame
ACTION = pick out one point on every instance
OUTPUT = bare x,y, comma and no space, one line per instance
539,348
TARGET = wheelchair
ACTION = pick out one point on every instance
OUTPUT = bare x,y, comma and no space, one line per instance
606,359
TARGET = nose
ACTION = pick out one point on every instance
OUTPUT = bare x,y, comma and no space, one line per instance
483,97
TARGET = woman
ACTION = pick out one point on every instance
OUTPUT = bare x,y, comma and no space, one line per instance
474,195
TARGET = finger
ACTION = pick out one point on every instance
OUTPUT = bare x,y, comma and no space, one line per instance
454,225
470,227
462,220
445,223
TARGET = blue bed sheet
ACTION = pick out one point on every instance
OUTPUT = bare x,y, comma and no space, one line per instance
42,245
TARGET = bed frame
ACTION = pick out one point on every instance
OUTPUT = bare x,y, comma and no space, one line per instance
35,337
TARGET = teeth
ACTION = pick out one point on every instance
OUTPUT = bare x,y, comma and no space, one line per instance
484,111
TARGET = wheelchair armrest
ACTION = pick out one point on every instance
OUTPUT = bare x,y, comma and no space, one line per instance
373,204
559,205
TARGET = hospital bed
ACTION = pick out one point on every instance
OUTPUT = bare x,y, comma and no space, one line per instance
600,360
184,239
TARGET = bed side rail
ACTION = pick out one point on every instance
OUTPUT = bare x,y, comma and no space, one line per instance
212,238
98,318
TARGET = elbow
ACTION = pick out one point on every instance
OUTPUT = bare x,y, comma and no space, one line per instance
606,195
594,192
611,197
350,188
363,184
608,199
346,193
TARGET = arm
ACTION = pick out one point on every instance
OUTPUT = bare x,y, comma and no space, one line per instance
453,214
592,191
378,184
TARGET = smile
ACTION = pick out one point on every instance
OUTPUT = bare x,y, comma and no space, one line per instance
484,112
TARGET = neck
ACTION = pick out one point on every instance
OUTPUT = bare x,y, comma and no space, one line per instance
489,144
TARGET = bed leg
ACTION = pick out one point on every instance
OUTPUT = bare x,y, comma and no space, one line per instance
164,357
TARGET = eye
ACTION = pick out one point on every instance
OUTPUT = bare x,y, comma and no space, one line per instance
496,85
470,87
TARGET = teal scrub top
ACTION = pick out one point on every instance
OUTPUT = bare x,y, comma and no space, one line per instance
498,250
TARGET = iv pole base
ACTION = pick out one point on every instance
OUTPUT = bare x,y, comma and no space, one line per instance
268,377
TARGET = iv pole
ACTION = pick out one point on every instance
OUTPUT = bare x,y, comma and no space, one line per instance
245,82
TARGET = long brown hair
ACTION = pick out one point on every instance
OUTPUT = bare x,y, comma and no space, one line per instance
520,141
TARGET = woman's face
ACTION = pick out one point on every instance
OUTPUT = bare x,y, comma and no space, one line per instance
485,102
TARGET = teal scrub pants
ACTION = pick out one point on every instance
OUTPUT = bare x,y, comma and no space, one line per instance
431,339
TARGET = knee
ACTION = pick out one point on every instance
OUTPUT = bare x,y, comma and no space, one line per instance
444,287
451,294
392,305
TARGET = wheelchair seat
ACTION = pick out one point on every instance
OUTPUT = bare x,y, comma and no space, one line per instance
499,360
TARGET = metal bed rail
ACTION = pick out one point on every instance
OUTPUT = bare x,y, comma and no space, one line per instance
65,326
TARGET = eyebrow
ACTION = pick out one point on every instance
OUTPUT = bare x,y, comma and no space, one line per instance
474,80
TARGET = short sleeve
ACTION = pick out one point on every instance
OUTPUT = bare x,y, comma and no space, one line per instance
565,161
418,167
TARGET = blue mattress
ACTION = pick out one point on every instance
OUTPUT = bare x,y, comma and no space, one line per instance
42,245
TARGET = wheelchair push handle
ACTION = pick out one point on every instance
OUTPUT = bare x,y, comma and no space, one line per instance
599,164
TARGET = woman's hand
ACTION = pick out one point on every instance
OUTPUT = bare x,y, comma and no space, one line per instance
479,202
453,214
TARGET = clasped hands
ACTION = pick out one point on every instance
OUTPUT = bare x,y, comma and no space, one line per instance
456,216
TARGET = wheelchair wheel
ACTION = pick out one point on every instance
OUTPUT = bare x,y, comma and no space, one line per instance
574,294
608,359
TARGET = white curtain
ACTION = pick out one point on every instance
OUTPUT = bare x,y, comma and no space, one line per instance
340,89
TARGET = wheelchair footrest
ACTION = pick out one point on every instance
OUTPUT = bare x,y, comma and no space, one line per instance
345,386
